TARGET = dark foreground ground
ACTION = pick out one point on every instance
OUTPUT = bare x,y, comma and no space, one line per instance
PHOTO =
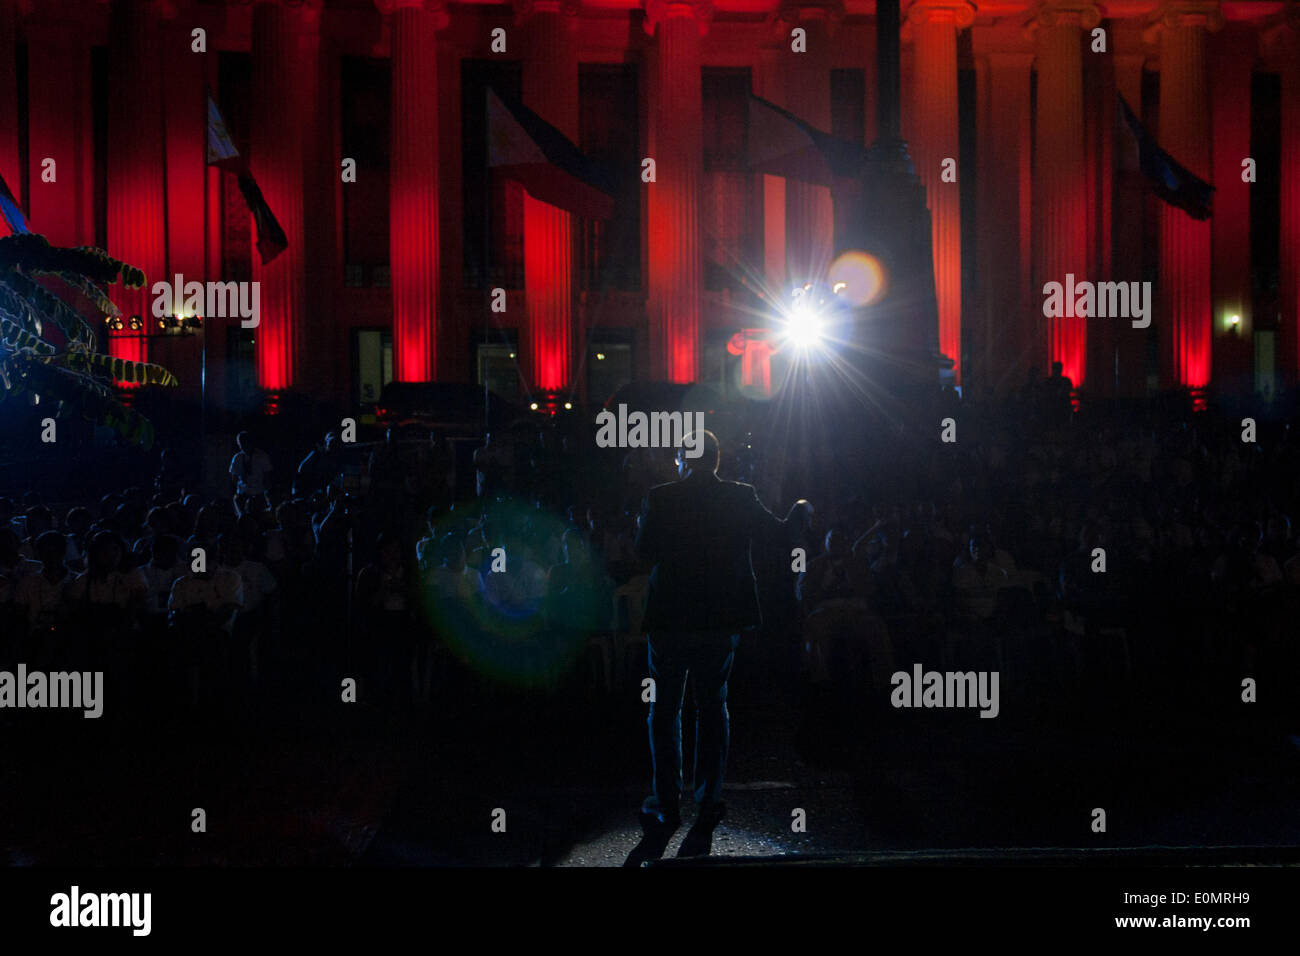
294,778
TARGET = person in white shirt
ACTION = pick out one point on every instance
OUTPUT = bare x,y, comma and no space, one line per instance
13,566
105,587
160,574
42,597
201,614
216,595
976,582
249,467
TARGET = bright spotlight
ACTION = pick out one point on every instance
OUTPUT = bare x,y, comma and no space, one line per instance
803,327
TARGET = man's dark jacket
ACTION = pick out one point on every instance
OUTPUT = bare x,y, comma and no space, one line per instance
696,533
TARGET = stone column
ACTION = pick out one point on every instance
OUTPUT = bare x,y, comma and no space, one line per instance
810,220
9,168
1060,174
1184,133
136,197
1128,205
551,91
1003,220
413,186
934,25
285,38
673,233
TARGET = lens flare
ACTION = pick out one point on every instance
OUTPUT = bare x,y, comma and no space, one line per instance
858,278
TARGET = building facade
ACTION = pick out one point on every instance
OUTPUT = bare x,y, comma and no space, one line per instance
407,259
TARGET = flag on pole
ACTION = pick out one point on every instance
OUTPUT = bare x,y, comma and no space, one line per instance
221,148
271,240
10,209
781,144
524,147
1169,179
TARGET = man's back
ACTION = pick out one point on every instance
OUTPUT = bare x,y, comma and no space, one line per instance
697,533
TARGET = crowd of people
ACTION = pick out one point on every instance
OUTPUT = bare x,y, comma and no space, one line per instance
1084,549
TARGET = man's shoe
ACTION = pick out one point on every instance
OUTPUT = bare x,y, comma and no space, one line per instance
699,838
657,829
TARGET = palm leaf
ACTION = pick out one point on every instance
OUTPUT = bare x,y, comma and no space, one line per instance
16,336
93,292
70,322
33,253
133,373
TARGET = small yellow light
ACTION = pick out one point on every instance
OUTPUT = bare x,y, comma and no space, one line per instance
533,406
1234,319
512,354
600,356
568,405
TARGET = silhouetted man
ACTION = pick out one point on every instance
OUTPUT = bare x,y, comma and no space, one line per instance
696,534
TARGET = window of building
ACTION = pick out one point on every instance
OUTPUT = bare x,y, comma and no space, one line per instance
609,363
241,369
372,363
366,85
493,220
496,362
1265,192
609,133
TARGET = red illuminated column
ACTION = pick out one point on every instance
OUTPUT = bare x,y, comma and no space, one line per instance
185,154
136,192
673,206
1184,133
1284,45
934,25
810,220
1003,219
1060,173
551,91
60,127
413,187
285,38
1128,204
9,100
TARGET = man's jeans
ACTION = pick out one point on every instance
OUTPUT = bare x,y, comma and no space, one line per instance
708,657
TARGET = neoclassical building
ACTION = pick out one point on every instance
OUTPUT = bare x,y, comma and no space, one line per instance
390,274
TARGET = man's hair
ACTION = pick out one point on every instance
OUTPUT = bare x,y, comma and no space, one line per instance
710,455
53,544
